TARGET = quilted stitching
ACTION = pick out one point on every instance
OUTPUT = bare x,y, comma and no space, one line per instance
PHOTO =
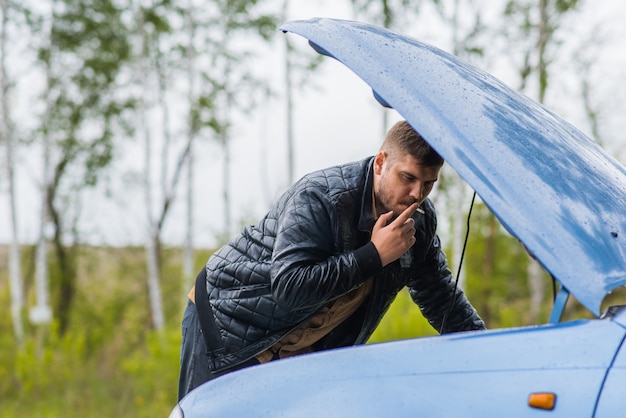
302,254
239,285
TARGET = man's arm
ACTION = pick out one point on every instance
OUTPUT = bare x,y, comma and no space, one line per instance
306,271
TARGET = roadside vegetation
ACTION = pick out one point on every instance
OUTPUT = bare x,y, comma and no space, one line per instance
111,362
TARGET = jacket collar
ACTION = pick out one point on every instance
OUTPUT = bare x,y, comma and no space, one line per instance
366,218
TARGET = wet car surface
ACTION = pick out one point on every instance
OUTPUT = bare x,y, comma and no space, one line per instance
550,186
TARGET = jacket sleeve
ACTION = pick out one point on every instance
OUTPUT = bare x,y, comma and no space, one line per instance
307,269
433,290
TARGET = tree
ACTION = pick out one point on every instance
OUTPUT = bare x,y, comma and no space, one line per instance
584,59
213,94
289,100
82,55
228,84
298,66
7,134
151,25
494,262
192,133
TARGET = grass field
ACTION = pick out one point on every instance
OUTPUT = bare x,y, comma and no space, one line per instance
110,363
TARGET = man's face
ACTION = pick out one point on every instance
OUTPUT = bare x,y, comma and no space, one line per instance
400,183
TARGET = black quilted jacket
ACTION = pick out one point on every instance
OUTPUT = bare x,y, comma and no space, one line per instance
312,247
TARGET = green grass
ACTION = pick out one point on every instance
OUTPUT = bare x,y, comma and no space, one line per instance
403,321
110,363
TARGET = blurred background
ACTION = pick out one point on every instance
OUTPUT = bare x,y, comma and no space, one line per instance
136,136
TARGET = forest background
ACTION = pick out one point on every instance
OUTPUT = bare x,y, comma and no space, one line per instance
137,136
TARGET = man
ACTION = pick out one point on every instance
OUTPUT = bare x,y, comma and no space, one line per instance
323,266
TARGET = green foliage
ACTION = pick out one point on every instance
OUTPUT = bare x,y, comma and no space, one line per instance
154,372
109,362
403,321
563,6
495,266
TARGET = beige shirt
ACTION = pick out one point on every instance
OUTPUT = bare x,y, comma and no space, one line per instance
301,339
314,329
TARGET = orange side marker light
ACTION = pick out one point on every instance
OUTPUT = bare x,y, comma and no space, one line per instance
542,400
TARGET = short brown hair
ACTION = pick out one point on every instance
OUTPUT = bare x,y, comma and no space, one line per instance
402,139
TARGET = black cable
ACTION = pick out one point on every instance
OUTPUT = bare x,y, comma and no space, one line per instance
458,272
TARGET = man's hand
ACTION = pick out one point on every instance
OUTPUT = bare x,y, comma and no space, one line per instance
394,239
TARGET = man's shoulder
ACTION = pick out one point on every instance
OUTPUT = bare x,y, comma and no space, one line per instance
348,175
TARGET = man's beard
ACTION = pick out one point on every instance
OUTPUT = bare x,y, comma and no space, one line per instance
383,198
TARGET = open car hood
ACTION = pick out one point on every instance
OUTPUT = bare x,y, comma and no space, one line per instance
550,185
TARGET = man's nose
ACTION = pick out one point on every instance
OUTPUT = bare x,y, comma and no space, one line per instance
417,191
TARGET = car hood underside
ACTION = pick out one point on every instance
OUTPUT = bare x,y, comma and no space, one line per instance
550,185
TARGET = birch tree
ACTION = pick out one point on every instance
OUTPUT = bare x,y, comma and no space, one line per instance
41,313
86,51
150,26
192,132
584,59
213,93
7,135
298,66
228,83
289,100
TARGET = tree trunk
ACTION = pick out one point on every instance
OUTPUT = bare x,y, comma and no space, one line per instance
154,286
188,267
488,266
188,262
289,113
535,284
289,101
544,35
42,313
152,244
15,272
226,186
459,207
67,270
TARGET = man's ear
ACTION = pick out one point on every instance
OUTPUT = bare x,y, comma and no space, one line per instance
379,160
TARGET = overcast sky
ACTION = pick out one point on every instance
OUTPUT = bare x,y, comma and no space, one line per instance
338,122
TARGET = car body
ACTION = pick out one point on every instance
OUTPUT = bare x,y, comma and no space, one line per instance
550,186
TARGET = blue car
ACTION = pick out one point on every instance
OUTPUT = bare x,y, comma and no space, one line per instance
550,186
